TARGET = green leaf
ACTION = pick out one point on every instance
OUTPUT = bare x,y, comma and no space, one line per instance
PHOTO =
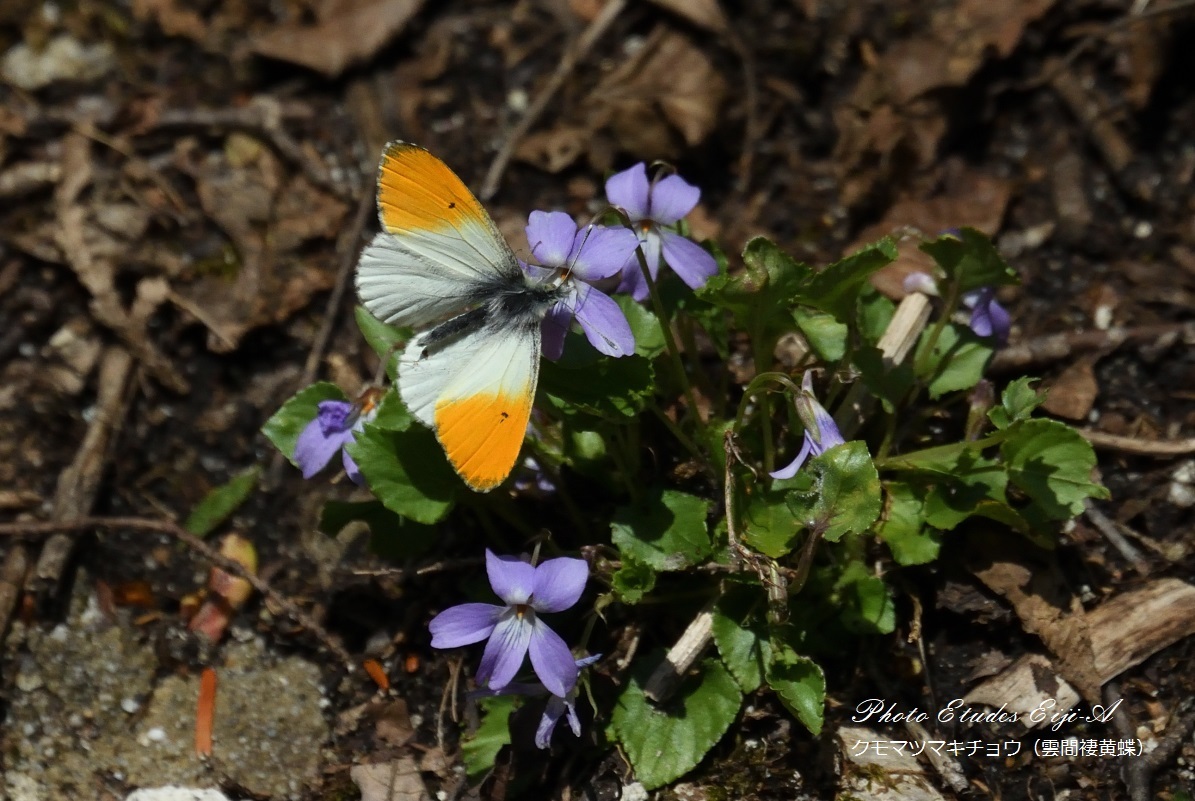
1051,463
903,528
391,536
632,581
665,743
613,389
846,492
649,337
1017,403
287,423
392,413
385,340
742,642
221,502
825,335
890,384
407,471
765,289
769,526
957,362
836,289
971,259
800,684
875,314
480,751
959,490
866,604
666,531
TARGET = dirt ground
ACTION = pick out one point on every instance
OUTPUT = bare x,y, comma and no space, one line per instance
184,188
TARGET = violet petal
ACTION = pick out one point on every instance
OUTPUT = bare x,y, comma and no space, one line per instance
559,583
551,235
464,625
551,658
672,198
603,322
553,329
630,190
790,470
600,252
505,650
688,259
314,449
547,724
512,579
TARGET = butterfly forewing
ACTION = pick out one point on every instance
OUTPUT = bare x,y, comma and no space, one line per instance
438,252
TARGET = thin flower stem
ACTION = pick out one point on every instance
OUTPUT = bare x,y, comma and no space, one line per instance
669,340
680,435
617,453
570,506
685,324
950,304
758,356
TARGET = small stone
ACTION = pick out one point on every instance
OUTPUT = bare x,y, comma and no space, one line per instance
129,705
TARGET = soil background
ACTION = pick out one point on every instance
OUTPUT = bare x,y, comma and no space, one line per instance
184,188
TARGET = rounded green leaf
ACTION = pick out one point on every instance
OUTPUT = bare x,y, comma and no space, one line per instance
845,497
666,531
1051,463
666,742
407,471
800,684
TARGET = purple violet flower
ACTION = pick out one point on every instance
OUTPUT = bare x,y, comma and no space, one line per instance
988,318
821,432
651,207
557,707
579,258
514,630
333,427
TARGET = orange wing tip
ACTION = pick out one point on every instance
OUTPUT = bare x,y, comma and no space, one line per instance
482,436
417,191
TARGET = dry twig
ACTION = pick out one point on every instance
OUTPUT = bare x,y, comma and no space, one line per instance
42,527
572,56
1055,347
79,482
1141,447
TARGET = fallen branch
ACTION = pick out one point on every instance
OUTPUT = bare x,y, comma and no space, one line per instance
79,483
43,527
1141,447
1055,347
1125,631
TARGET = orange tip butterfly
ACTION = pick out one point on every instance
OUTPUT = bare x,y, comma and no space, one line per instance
440,265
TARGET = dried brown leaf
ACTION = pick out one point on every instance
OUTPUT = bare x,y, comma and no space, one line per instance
171,18
670,86
350,31
968,197
1045,607
702,13
390,781
1125,631
1073,393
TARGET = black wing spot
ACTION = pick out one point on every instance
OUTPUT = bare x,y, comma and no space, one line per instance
505,415
452,204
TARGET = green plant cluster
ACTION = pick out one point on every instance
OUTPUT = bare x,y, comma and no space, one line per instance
656,467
